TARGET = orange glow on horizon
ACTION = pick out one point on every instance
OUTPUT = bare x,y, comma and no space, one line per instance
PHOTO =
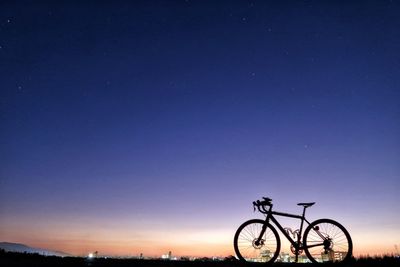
115,240
156,249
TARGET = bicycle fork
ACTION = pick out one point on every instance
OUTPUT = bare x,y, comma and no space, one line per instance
259,241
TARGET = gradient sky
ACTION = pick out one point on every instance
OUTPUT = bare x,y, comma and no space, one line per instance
151,126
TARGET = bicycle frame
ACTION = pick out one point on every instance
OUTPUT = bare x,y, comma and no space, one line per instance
296,244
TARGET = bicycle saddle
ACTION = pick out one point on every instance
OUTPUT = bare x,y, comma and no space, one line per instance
306,205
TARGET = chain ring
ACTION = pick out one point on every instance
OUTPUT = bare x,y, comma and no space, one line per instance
293,249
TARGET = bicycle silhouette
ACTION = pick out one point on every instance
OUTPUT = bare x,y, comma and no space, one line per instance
324,240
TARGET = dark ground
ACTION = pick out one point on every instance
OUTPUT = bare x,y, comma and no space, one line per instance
10,259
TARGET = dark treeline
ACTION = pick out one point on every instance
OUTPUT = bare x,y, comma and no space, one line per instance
13,259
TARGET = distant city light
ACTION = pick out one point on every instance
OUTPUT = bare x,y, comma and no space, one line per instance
168,256
93,255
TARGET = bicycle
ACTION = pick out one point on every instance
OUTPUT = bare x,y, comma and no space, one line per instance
324,240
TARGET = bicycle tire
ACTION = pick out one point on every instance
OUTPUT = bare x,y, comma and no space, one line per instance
337,247
244,245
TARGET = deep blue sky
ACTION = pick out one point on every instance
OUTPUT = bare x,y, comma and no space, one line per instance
128,112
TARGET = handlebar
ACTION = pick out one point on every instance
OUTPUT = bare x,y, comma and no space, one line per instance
262,204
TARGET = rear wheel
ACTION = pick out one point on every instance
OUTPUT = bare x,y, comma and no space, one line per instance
326,240
247,247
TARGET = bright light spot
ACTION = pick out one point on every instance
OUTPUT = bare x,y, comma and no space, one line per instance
90,256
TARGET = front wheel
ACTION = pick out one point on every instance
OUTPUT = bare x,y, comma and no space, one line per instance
326,240
247,246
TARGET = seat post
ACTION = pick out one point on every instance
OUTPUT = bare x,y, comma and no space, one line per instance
304,211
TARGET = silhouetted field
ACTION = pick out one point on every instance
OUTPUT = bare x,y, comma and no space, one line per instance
11,259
